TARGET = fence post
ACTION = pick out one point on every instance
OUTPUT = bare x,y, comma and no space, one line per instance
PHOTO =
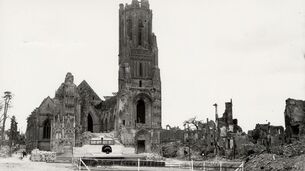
220,165
138,164
192,165
204,165
242,166
79,164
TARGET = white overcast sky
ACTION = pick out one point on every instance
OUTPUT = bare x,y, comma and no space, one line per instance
209,52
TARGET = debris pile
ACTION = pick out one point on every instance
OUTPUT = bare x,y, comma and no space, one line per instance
250,148
299,163
153,156
42,156
170,149
266,162
287,157
4,151
295,149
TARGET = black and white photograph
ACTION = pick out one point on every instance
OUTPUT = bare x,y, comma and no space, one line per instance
152,85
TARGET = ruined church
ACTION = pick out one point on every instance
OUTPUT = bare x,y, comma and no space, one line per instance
133,113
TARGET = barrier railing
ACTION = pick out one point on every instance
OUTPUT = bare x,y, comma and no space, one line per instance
207,166
188,165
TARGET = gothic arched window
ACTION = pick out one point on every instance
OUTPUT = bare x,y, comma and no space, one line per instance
141,111
140,32
129,29
141,69
89,123
46,129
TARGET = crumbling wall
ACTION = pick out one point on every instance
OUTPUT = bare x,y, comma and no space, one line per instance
267,135
171,135
227,131
294,118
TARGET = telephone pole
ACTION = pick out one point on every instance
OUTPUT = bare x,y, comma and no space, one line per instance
216,137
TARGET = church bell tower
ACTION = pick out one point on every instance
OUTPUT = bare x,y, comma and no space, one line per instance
139,96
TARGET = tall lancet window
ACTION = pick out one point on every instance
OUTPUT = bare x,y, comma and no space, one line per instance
140,33
46,129
141,111
141,69
89,123
129,29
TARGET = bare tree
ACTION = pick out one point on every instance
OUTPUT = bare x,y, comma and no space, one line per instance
7,99
189,126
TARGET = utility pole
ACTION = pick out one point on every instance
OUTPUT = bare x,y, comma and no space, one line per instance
189,141
216,138
7,98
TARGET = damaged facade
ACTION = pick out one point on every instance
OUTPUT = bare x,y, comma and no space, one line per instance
134,112
267,135
205,134
171,134
59,122
227,130
294,118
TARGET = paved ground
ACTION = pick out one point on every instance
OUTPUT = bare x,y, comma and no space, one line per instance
15,164
120,168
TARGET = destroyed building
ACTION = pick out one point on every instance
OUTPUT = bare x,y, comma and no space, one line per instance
227,130
60,121
294,119
171,134
267,135
134,112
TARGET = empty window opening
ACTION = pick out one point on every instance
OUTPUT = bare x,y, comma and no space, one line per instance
141,111
141,70
140,36
295,129
140,83
89,123
123,122
46,129
129,29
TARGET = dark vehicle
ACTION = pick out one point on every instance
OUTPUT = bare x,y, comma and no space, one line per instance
106,142
107,149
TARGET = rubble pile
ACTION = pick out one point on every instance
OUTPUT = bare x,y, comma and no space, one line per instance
288,157
250,148
4,151
42,156
299,163
275,162
266,162
153,156
170,150
295,149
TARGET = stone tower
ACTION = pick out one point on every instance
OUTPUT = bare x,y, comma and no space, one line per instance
139,96
66,118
